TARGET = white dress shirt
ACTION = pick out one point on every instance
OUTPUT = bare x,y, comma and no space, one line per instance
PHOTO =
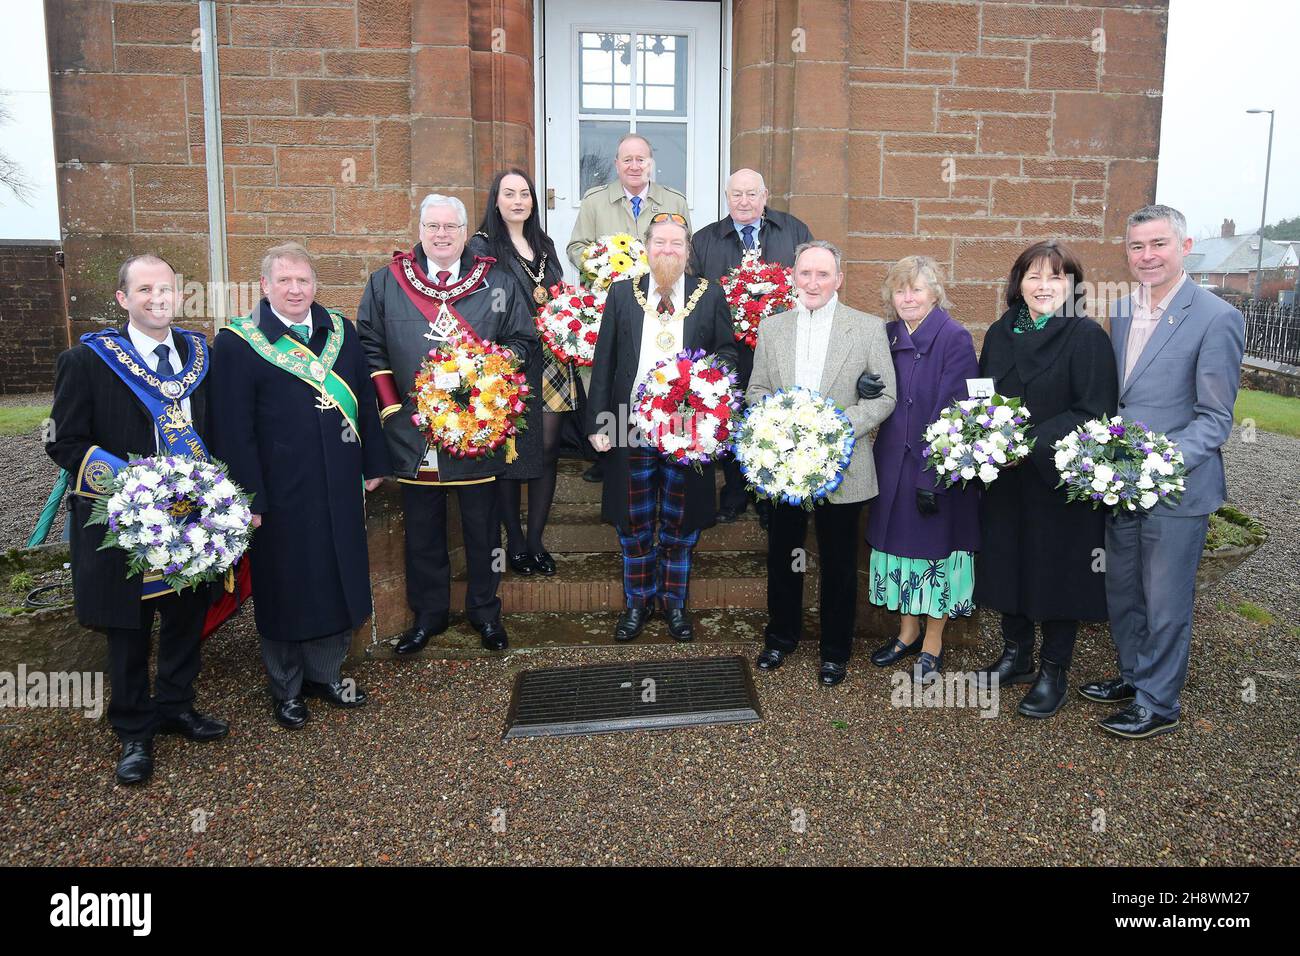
651,354
290,323
145,345
431,453
811,340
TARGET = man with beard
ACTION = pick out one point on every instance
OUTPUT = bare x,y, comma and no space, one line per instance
137,390
646,321
749,227
300,432
421,300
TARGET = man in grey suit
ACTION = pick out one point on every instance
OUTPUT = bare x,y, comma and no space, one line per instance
1178,349
825,346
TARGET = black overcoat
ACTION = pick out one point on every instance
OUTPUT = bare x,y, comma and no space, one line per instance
393,334
618,353
92,406
304,468
528,445
1041,556
716,249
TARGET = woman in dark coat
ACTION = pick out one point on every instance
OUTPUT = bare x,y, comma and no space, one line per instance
1041,558
511,232
923,535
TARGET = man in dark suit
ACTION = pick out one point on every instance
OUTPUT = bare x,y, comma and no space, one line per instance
300,432
646,321
717,249
423,298
134,391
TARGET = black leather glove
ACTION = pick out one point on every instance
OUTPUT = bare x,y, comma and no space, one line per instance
870,385
926,502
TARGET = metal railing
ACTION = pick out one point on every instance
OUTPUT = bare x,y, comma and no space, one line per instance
1272,331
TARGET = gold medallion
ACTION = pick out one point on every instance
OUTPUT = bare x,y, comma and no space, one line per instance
318,371
539,295
665,340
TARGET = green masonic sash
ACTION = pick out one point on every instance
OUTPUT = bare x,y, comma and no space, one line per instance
292,356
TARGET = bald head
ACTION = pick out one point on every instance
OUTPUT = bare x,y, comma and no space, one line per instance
746,197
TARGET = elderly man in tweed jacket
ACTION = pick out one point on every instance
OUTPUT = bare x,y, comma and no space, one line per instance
825,346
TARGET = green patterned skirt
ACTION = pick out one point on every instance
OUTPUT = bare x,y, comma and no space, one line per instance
940,588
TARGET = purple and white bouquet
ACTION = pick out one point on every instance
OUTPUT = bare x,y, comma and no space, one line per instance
977,438
1120,464
175,516
794,446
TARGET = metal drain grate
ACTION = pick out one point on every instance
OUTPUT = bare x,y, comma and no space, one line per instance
638,695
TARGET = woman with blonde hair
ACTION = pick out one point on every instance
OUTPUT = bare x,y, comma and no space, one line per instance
922,535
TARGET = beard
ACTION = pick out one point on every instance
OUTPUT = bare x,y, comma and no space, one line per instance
666,270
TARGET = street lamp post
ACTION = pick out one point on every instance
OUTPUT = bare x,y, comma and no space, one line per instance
1263,220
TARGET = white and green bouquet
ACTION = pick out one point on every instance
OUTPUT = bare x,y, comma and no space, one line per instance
977,438
794,446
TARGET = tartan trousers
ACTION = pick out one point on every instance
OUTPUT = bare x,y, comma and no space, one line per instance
655,568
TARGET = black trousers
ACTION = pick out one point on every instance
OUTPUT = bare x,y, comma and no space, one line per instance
836,527
1058,637
133,713
428,566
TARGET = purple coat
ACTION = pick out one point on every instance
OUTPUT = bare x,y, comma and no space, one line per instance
932,369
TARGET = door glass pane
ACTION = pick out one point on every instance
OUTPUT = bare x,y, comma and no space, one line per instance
604,71
661,74
597,140
669,142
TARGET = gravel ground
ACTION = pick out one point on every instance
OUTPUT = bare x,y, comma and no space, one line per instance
829,776
26,474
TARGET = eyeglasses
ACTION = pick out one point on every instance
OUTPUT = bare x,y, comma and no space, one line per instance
436,227
669,217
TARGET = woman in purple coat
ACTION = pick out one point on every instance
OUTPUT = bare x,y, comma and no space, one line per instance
923,536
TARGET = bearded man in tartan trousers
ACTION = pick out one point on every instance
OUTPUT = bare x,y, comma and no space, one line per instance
646,321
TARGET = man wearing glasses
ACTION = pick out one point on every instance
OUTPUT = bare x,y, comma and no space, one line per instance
718,248
419,301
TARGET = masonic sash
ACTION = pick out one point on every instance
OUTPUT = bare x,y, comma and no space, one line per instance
435,302
290,355
161,394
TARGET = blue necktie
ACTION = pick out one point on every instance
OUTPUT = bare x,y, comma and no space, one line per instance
636,207
301,332
164,359
748,233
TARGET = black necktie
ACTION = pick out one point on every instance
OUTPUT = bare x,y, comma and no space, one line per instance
164,359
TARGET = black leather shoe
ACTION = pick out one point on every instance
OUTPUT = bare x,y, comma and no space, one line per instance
492,636
521,563
679,624
770,659
343,693
632,622
1135,722
1048,693
135,765
1111,691
727,514
1015,666
895,651
927,667
543,563
831,674
195,726
291,713
413,641
595,474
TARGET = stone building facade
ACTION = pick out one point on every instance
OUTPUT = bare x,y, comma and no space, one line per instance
958,129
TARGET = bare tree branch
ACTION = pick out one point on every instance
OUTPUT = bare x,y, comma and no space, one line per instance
12,175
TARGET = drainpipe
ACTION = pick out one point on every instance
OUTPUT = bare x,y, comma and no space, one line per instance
217,284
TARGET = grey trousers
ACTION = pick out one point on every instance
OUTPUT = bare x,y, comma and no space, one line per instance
1150,586
289,663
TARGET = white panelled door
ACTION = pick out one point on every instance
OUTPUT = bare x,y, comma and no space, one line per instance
649,66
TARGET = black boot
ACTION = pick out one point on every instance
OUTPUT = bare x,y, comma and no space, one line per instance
1015,666
1048,693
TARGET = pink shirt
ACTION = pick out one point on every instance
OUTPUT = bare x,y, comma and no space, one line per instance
1145,319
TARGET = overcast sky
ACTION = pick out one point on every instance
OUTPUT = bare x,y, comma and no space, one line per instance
1223,57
